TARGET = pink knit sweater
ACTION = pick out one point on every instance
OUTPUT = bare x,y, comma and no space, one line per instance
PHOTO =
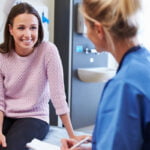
27,83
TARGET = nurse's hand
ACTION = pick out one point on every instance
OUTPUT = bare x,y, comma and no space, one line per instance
68,143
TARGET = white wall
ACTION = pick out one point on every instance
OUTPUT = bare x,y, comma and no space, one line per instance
51,6
144,23
2,16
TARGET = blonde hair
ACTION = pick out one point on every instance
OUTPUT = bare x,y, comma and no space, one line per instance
114,15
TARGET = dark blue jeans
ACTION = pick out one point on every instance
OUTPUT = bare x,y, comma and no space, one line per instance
18,132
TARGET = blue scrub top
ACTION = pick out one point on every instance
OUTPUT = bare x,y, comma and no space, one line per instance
123,117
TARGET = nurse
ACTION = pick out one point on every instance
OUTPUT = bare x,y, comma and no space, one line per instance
123,116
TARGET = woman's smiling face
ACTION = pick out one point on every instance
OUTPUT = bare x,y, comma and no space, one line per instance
25,33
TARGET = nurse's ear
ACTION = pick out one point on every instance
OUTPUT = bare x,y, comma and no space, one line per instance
99,30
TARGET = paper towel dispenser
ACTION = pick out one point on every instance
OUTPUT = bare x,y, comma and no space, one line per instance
81,27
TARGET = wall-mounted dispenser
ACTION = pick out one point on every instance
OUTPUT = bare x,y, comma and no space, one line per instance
81,27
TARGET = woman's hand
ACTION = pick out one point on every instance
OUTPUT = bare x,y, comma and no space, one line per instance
3,140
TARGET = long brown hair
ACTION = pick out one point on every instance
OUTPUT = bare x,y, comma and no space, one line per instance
18,9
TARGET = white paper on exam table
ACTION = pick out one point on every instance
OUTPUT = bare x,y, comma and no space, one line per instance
36,144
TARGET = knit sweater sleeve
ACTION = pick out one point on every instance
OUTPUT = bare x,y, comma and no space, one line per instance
1,91
56,81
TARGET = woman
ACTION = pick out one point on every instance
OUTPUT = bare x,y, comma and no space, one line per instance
123,117
28,68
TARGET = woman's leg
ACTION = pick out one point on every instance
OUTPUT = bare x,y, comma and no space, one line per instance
23,131
7,123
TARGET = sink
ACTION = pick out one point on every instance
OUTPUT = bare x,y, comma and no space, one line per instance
98,74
